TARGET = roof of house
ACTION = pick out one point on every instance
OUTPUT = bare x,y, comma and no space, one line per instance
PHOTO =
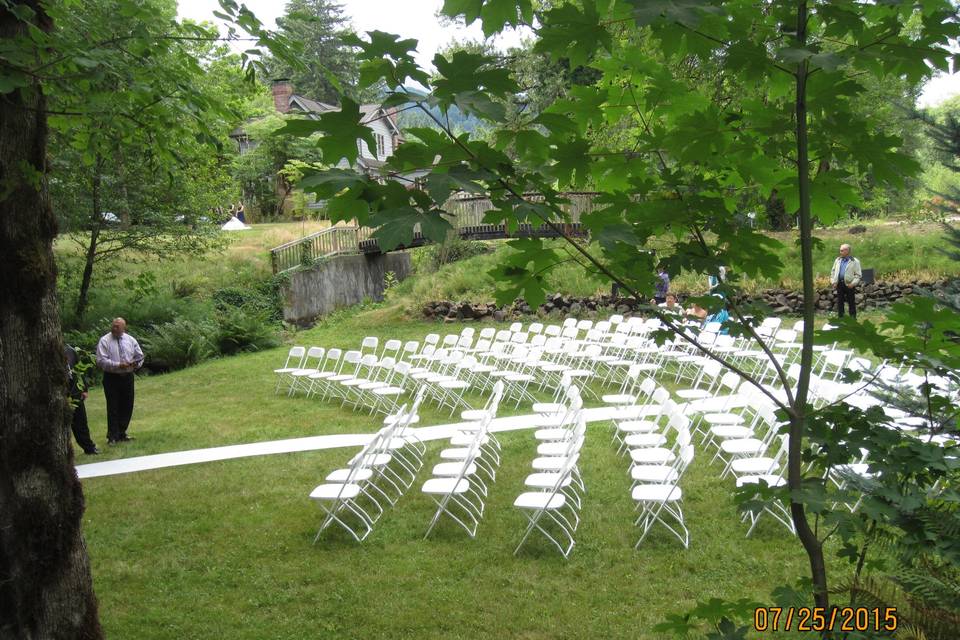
371,111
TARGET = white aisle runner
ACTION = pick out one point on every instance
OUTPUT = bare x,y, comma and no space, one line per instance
312,443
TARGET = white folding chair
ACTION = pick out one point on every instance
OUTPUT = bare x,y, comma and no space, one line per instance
294,361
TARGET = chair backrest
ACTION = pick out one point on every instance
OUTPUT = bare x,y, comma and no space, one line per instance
519,337
487,333
660,395
450,340
535,327
332,357
771,322
570,333
370,342
431,339
538,340
384,369
681,424
712,327
569,322
351,357
467,362
552,330
603,326
467,332
798,327
295,357
315,353
616,318
593,350
483,344
516,326
712,369
464,342
781,451
554,344
788,336
392,347
503,336
730,381
585,325
369,361
410,348
647,387
684,458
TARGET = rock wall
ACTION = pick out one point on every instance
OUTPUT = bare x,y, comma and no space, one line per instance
782,301
340,282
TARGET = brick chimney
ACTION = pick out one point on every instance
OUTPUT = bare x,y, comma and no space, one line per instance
282,90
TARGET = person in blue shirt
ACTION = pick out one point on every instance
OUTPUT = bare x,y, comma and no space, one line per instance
720,316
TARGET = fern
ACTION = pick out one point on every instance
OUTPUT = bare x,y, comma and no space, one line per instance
917,597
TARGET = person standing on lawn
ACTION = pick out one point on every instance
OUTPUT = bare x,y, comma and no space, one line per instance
77,390
663,285
846,276
119,355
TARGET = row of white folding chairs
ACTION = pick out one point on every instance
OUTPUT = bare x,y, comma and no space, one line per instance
457,485
660,450
301,361
382,471
362,381
553,492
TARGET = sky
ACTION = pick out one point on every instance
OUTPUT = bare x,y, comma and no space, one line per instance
407,18
417,19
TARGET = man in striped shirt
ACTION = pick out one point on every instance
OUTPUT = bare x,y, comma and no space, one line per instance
119,355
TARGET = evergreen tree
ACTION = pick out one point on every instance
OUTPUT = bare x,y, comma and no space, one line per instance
319,26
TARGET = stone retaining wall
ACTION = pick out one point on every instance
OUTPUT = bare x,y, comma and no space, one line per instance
340,282
782,301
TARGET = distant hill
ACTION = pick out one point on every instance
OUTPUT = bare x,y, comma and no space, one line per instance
459,122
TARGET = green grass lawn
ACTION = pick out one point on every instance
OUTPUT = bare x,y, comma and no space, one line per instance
223,550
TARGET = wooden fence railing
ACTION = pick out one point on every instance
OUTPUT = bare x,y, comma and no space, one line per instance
465,214
330,242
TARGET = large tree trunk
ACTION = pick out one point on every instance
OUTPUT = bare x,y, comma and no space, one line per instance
46,590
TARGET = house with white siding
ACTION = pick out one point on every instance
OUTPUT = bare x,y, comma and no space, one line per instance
383,123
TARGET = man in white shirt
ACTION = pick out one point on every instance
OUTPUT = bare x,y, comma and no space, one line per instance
846,275
118,355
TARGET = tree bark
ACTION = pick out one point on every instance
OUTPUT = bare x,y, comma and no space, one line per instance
46,590
96,223
808,538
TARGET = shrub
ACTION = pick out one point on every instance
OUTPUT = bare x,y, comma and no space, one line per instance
261,299
184,288
454,249
178,344
241,330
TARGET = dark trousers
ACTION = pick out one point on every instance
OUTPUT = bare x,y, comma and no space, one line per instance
80,428
848,295
118,388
